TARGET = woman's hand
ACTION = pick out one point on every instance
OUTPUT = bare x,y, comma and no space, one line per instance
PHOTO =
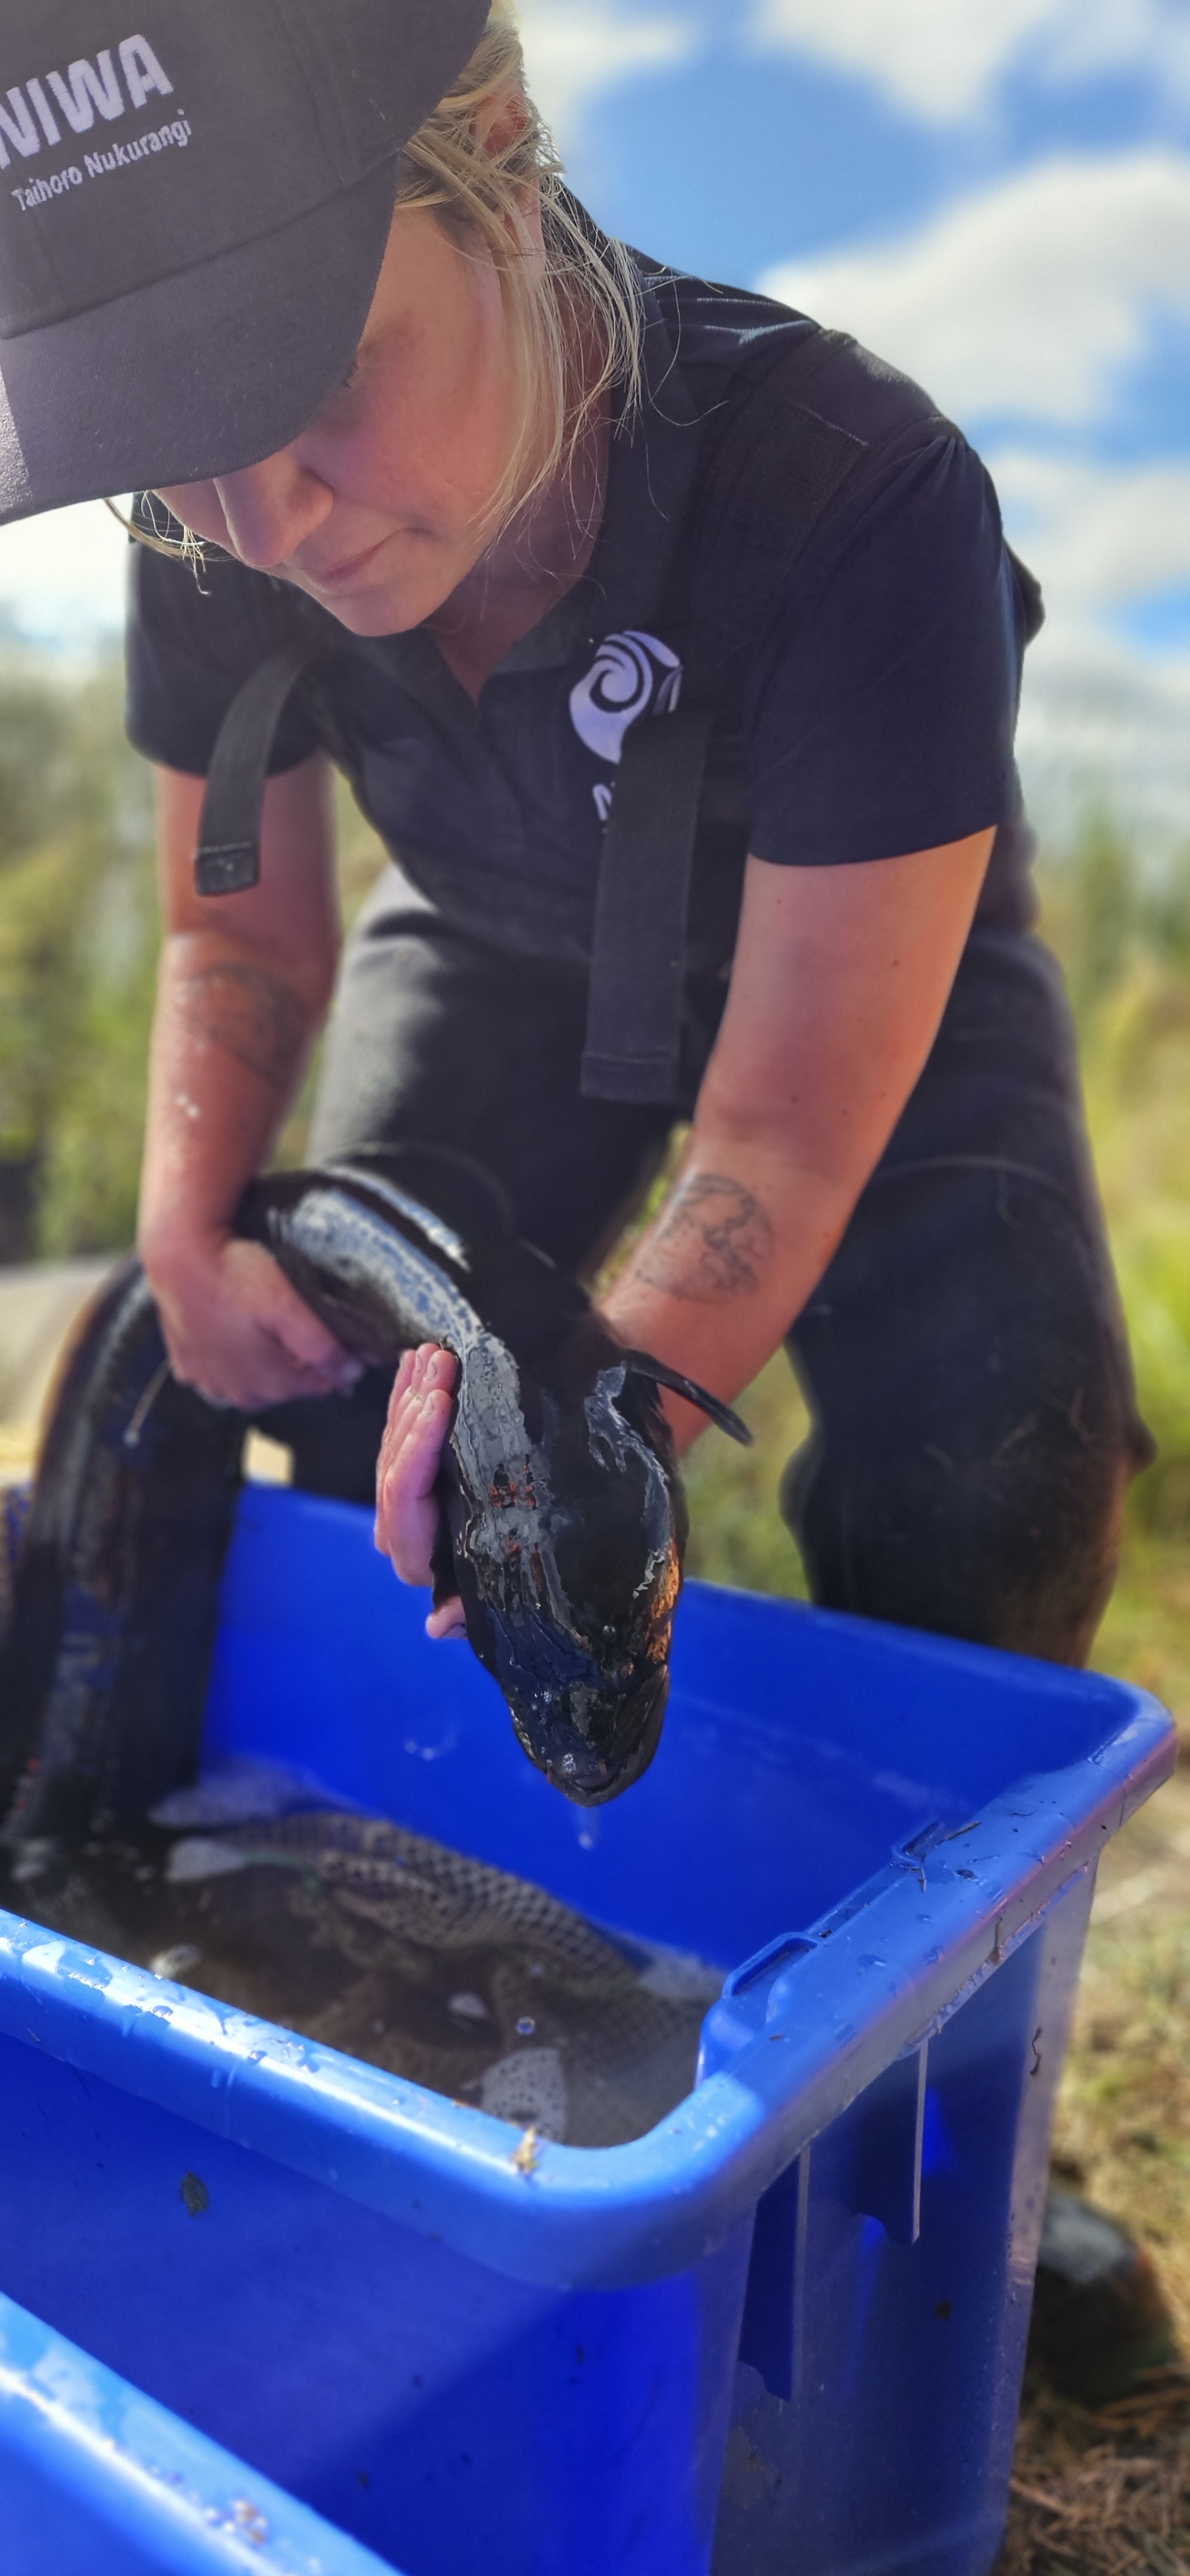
410,1456
237,1331
243,986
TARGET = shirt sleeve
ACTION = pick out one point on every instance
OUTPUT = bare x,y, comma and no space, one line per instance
195,634
880,713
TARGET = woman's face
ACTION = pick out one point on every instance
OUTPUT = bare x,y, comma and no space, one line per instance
378,508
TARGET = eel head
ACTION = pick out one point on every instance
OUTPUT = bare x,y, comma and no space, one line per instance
570,1571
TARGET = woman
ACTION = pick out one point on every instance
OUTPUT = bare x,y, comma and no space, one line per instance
553,536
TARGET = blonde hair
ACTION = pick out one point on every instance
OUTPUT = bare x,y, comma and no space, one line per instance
574,314
572,307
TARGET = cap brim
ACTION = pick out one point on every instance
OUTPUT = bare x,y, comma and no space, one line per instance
196,375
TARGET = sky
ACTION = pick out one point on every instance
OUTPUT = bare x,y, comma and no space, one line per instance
995,195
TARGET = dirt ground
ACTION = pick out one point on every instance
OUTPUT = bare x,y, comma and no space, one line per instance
1103,2494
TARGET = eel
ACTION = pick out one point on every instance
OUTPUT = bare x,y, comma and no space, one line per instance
562,1518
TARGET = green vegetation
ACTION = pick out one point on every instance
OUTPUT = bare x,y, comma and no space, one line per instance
78,943
77,940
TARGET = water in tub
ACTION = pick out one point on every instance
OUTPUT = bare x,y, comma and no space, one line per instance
390,1947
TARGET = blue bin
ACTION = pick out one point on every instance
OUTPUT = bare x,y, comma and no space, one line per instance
784,2331
96,2480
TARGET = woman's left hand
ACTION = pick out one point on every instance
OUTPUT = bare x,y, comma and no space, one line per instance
407,1471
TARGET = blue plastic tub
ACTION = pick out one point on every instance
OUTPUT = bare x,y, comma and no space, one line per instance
782,2332
96,2480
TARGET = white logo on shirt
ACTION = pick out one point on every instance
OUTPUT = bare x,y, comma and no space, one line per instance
632,675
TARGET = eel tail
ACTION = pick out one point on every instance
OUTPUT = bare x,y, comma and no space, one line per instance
104,1667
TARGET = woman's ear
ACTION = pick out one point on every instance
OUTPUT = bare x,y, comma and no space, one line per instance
499,123
500,118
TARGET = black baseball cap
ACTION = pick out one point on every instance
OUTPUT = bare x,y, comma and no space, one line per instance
195,197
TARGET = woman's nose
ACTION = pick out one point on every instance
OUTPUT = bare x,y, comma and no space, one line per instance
271,508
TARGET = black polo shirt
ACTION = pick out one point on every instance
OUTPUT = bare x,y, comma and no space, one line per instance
874,711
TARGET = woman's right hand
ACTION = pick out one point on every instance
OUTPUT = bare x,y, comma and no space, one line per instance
419,1414
237,1331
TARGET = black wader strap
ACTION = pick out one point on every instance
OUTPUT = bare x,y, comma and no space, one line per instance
634,1012
227,860
740,550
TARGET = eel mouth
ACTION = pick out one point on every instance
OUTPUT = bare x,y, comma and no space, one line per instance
596,1762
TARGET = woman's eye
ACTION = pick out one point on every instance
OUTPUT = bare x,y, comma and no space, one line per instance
346,384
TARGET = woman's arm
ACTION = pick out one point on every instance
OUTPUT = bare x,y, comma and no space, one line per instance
243,987
840,979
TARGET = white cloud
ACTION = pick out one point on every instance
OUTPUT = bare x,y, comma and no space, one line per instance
1100,536
62,576
1101,717
1103,723
1033,299
576,49
943,59
935,57
1030,299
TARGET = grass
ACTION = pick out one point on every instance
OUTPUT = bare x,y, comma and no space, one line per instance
1105,2494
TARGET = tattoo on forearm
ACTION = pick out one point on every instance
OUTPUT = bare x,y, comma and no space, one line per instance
711,1244
250,1014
